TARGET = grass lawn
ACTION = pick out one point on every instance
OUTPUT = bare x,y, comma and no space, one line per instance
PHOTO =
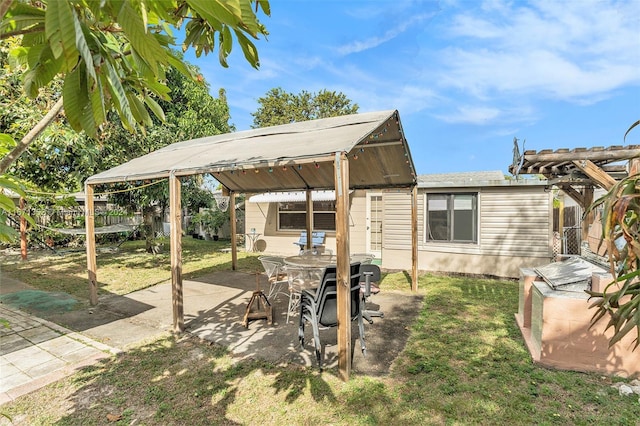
465,363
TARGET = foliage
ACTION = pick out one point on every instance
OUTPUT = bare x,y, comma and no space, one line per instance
620,301
114,54
211,220
280,107
7,206
194,195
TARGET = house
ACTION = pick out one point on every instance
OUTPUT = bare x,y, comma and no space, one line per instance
468,223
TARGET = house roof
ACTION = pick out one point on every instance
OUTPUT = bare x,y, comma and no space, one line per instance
296,156
473,179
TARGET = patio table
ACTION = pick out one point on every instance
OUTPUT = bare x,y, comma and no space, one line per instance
313,261
310,267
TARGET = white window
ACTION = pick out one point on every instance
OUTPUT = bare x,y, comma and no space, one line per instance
452,218
293,216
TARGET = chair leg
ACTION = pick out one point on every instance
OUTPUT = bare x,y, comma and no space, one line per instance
301,330
294,301
361,327
289,306
368,314
316,342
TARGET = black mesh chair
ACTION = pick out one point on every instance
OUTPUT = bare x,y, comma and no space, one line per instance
369,278
320,309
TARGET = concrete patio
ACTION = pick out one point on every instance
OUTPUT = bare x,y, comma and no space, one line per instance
214,306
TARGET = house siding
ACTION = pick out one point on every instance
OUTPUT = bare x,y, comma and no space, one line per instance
514,231
264,218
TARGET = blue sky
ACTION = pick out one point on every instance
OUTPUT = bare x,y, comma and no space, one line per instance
466,76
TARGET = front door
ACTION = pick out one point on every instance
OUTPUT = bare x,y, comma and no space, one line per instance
374,224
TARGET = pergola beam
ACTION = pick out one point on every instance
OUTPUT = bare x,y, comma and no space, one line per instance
616,154
595,173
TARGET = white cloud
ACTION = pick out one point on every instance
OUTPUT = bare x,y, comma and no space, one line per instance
375,41
570,50
472,115
483,114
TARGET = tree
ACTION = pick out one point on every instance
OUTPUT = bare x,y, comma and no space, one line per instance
193,113
113,54
280,107
620,301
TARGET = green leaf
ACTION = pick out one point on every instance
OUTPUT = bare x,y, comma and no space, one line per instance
42,70
249,49
12,185
22,16
216,12
7,143
222,54
75,98
119,97
7,233
60,30
249,18
138,110
141,40
159,89
97,103
227,41
154,107
637,123
83,48
7,204
179,65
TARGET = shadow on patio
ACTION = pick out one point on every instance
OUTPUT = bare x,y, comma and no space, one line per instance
214,307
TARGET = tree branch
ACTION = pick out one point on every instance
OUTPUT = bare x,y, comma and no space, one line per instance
8,159
21,32
4,6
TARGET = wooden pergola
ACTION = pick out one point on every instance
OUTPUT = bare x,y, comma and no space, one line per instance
359,151
579,171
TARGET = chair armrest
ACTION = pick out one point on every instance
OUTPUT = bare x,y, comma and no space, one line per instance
310,292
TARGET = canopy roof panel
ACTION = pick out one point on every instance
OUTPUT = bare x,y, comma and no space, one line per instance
292,196
291,156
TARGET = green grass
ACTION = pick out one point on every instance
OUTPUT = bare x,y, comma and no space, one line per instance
123,271
465,363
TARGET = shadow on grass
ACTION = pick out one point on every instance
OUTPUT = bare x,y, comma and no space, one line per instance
183,381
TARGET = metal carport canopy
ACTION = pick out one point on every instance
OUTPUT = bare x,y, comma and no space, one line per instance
296,156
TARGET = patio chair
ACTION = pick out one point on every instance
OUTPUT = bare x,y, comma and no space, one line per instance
274,269
296,279
319,307
369,278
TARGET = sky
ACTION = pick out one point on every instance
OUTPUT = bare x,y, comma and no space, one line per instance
466,76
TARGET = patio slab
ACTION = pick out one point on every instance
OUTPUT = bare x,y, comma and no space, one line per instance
214,307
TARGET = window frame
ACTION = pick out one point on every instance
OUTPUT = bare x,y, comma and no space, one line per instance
450,209
303,212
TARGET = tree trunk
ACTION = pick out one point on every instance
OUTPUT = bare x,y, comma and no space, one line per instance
4,6
30,137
